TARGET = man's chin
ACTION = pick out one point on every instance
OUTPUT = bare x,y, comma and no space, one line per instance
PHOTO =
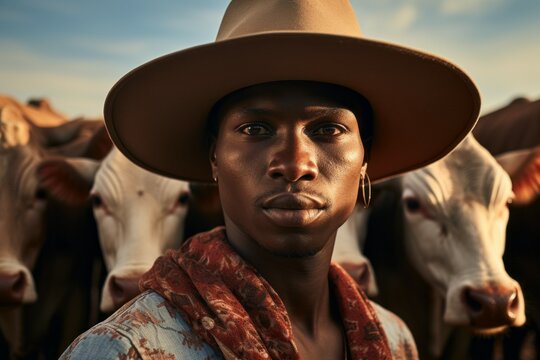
294,243
295,253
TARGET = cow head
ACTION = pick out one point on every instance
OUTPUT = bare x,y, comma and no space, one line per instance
139,215
25,196
456,211
348,253
38,112
22,203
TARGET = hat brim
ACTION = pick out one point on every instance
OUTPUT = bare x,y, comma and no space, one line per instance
423,105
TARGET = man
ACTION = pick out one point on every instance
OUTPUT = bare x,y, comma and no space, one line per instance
294,102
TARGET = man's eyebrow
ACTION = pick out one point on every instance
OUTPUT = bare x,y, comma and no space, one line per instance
326,111
316,112
259,111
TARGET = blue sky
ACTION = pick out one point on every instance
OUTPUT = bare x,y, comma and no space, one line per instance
73,51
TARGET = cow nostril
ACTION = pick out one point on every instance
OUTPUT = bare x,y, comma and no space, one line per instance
492,306
123,289
116,290
19,284
472,301
513,305
12,289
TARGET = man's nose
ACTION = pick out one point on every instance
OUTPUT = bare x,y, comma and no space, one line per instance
293,160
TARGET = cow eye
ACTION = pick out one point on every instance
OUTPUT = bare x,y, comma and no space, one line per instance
40,194
183,198
412,204
96,200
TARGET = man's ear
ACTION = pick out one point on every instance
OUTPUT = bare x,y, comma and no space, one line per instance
363,171
212,156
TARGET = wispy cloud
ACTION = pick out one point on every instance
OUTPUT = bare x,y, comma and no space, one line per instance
61,7
197,19
456,7
74,95
405,16
12,16
504,64
75,87
125,47
502,75
74,61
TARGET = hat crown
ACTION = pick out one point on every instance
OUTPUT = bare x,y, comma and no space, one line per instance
248,17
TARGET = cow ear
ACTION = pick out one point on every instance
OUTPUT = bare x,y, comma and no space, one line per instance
78,138
523,166
99,145
67,179
14,130
61,134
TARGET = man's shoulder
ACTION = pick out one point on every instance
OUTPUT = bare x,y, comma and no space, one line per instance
146,327
398,334
148,311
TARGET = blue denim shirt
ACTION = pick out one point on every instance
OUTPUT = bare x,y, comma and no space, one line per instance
149,327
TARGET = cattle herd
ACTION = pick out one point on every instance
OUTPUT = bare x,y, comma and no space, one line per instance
452,248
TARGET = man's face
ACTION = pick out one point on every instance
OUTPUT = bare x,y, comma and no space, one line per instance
288,159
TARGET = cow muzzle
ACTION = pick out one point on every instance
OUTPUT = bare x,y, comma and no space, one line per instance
486,307
16,289
491,307
119,288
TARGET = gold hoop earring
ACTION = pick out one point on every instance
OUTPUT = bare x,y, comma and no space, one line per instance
366,197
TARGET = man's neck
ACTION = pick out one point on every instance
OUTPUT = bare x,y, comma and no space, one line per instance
301,282
303,287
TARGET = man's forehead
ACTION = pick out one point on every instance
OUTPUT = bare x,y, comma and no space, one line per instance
316,98
303,111
316,90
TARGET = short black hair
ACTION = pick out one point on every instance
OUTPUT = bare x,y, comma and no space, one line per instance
348,98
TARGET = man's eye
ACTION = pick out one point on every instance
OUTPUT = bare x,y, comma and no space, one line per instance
254,130
329,130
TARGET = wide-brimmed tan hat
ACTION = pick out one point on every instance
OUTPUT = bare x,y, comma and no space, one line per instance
423,105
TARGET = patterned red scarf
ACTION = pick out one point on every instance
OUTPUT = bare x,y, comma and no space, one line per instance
239,314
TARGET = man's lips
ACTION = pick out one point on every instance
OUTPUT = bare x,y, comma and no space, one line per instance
293,210
293,201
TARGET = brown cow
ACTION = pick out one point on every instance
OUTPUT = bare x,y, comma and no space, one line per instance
57,242
513,127
37,112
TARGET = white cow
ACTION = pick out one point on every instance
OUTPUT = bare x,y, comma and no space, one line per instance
463,200
452,219
139,215
348,251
